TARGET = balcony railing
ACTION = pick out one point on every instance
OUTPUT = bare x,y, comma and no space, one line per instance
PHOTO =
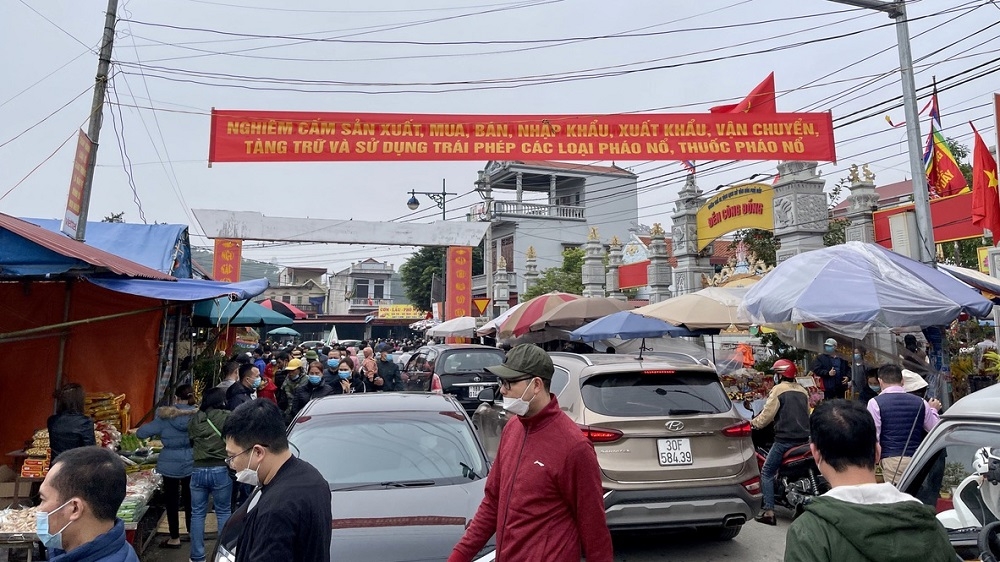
369,303
533,210
479,282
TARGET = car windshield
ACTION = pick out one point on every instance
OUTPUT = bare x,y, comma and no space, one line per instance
390,448
471,361
636,394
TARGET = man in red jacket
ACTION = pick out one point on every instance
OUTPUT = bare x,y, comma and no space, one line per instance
544,499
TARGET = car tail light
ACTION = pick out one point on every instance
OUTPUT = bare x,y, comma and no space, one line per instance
741,429
600,434
436,387
752,486
659,372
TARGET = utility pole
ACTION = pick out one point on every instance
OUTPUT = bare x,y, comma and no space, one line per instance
921,199
97,112
486,192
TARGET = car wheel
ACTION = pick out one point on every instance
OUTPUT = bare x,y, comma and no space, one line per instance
724,533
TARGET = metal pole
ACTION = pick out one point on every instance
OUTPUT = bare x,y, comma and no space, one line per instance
97,113
921,199
444,193
488,264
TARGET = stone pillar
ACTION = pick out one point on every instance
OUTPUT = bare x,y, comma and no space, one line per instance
520,191
552,196
658,273
530,269
611,284
593,265
862,205
801,216
501,288
691,266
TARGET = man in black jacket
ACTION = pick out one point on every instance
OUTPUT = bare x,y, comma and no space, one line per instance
388,371
787,406
243,390
832,370
288,517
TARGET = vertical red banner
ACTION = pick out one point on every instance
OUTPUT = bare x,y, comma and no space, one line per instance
227,260
458,278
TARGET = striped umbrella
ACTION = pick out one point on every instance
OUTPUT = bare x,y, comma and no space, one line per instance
519,323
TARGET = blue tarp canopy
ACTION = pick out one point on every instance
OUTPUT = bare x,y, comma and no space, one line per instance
224,311
627,325
188,290
851,288
163,247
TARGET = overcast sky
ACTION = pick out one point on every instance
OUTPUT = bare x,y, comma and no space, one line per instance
175,60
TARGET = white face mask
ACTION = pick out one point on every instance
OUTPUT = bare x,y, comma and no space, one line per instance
249,475
518,406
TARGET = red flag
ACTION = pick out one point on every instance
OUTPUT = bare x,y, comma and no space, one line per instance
985,199
760,100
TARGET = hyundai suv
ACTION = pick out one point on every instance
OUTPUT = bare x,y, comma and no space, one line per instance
673,451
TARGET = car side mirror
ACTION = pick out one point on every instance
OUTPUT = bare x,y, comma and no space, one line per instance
487,395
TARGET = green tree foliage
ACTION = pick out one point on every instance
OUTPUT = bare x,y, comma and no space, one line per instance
417,272
567,278
115,217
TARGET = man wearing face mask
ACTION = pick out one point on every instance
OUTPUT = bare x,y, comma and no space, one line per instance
332,360
543,499
244,389
832,370
295,379
388,371
288,516
77,519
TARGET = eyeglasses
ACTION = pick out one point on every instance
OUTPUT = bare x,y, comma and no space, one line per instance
506,384
229,460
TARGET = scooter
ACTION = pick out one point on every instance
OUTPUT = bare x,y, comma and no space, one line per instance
798,479
976,501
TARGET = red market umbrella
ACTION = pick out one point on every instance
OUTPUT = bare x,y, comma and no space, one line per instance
284,308
519,323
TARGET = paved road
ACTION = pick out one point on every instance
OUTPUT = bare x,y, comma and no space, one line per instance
756,543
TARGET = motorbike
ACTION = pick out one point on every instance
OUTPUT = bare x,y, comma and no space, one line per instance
798,479
975,509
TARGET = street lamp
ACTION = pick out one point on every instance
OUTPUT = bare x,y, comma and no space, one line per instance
438,198
921,200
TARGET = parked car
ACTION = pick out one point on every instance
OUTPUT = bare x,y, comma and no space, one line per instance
406,471
673,450
456,369
312,344
942,471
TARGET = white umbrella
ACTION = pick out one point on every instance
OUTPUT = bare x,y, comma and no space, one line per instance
492,326
463,326
709,308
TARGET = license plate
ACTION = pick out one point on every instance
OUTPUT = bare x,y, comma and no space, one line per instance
674,452
475,389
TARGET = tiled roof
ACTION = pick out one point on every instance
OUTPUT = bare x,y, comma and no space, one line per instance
888,193
575,167
66,246
721,251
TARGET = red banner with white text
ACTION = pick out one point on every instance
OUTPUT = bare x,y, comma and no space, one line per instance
458,277
290,136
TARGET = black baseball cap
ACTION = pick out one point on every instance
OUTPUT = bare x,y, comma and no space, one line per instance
525,360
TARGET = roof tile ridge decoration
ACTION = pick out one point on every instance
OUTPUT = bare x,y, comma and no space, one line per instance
575,167
68,247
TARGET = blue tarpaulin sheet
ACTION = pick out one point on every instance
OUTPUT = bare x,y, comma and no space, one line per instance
163,247
188,290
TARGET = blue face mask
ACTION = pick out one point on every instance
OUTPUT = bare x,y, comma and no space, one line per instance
42,528
828,349
332,363
875,387
857,357
257,382
388,357
344,375
314,379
